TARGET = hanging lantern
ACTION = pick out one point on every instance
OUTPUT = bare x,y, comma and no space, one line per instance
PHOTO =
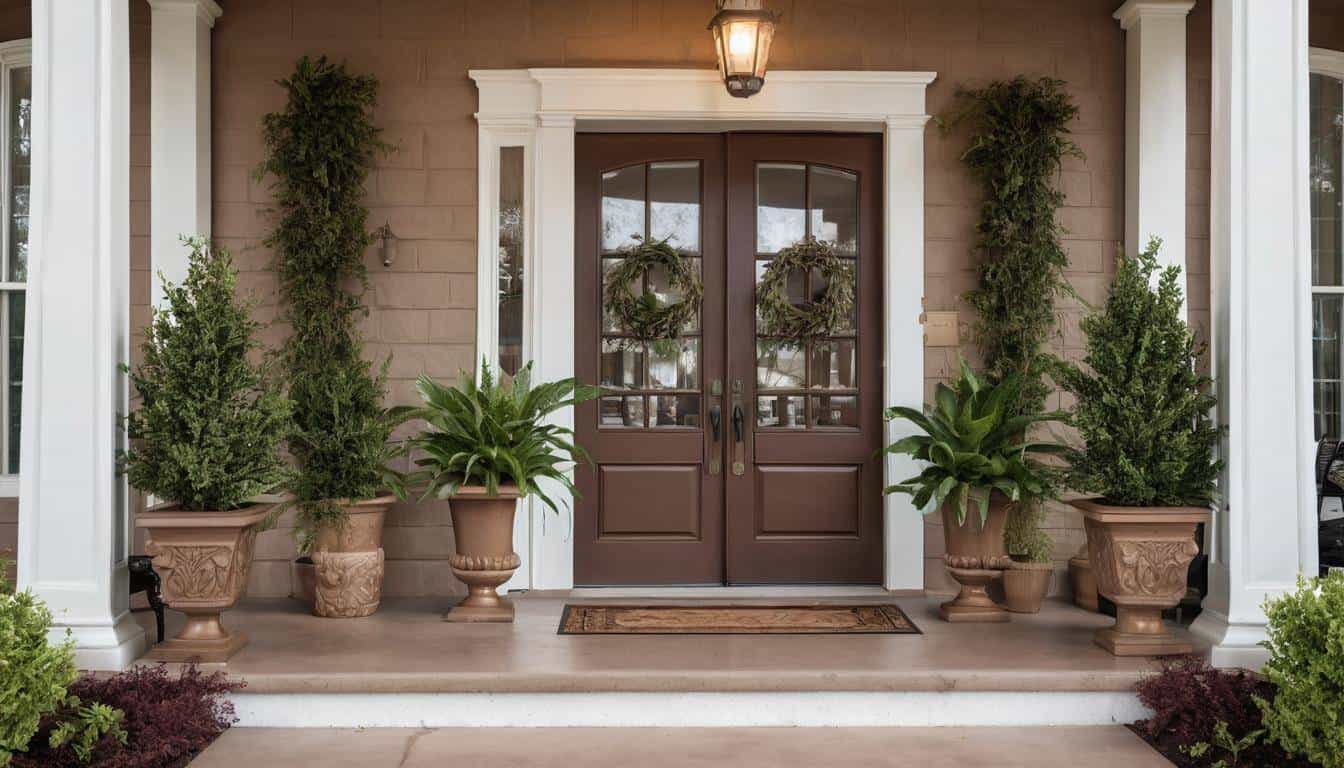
742,34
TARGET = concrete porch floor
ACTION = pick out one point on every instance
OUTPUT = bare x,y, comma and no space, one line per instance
406,648
1058,747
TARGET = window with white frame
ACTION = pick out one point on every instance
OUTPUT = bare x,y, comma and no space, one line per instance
16,95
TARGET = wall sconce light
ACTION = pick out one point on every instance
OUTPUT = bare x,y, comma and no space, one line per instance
743,31
389,242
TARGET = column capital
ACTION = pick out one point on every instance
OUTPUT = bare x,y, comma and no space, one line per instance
1134,11
206,10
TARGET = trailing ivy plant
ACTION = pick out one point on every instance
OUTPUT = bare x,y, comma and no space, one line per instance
210,421
320,149
1142,405
1019,139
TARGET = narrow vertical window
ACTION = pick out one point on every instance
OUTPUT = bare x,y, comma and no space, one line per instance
511,237
1327,250
18,89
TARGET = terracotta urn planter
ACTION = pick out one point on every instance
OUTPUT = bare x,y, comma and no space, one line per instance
975,557
202,559
1025,586
348,562
1081,581
1141,557
483,536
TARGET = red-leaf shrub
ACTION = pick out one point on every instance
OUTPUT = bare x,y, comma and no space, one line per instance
168,720
1189,698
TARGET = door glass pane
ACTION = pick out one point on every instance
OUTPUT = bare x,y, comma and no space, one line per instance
1325,336
781,199
675,411
781,411
674,364
20,160
833,365
625,411
622,364
835,208
779,365
674,204
1327,183
14,328
622,207
835,411
510,259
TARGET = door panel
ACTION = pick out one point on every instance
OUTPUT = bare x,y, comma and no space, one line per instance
651,511
806,505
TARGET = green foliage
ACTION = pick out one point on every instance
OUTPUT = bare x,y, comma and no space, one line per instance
973,445
642,314
86,725
1020,136
320,149
33,673
495,433
1224,741
822,316
1306,666
210,421
1022,535
1143,409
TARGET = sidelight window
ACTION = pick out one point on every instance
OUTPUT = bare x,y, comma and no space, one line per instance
16,89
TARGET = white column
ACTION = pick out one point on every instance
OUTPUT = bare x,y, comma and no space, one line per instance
1264,532
72,504
179,128
551,327
903,383
1155,125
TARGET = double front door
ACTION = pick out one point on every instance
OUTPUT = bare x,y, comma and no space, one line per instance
728,455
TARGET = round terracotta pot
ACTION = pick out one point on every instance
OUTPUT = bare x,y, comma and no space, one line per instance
202,559
348,561
483,538
975,556
1140,558
1025,586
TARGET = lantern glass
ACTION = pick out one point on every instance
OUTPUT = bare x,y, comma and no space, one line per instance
742,42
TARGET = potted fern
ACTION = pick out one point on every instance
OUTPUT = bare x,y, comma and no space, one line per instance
484,447
320,149
976,465
205,441
1148,454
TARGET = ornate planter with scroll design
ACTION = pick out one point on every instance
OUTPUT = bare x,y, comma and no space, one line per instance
483,536
202,559
1140,558
975,557
348,561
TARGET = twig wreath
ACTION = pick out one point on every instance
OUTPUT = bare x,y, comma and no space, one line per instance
800,323
640,313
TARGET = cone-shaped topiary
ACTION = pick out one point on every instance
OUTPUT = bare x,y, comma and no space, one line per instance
210,422
320,149
1143,409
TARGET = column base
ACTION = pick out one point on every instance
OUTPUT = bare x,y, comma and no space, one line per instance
104,648
1231,645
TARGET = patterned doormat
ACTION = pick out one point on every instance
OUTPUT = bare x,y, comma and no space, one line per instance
834,619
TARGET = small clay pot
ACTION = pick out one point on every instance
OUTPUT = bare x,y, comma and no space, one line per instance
1025,586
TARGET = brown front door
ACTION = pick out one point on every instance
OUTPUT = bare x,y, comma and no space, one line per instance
787,489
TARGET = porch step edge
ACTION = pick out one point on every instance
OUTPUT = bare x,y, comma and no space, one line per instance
686,710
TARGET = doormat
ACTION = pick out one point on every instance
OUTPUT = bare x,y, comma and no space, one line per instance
834,619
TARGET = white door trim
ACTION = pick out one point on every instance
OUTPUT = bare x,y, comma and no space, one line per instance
542,109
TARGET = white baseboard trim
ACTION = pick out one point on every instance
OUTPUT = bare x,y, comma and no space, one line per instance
1231,645
686,710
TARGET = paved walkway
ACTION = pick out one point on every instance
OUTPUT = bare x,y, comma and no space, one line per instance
694,748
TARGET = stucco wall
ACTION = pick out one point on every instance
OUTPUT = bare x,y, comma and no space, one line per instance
422,309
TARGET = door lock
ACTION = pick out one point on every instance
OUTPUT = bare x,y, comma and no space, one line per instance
716,450
739,446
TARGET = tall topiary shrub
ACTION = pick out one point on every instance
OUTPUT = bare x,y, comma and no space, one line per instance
1019,139
208,429
1143,407
1306,666
33,674
320,149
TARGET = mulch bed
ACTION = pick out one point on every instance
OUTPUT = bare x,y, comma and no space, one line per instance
1263,756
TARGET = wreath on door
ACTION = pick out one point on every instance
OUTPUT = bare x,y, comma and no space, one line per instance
636,308
813,319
